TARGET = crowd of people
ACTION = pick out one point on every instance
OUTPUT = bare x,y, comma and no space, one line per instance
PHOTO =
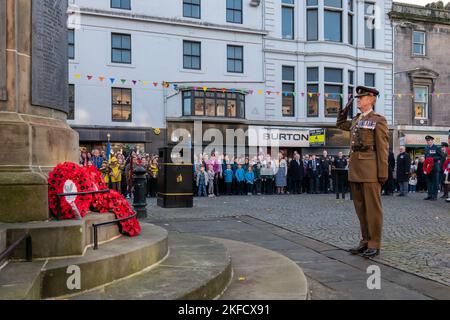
117,169
223,175
216,175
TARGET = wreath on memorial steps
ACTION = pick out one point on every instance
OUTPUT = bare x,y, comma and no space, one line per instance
428,165
68,178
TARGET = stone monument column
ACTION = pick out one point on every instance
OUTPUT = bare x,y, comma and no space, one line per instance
34,133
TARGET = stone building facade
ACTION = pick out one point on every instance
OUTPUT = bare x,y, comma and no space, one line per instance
422,75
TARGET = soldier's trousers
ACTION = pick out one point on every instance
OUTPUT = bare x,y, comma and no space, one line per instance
367,201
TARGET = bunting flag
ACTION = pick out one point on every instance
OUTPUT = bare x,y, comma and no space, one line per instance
177,87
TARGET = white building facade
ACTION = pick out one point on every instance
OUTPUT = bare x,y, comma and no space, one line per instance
140,69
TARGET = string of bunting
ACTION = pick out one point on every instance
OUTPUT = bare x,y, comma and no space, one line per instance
167,85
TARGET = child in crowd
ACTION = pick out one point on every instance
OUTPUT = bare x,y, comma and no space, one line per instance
267,177
211,175
249,180
105,172
115,174
240,179
228,177
202,182
413,182
257,172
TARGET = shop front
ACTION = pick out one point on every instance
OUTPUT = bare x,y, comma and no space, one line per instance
415,142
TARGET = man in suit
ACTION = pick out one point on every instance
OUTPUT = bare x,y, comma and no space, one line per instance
314,174
305,184
368,168
325,166
340,163
403,171
296,174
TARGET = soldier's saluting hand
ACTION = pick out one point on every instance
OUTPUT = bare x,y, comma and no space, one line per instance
368,167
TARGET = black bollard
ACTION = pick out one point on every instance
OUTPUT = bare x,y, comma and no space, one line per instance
139,199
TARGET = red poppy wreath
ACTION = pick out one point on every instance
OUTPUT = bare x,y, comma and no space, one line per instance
69,178
428,165
122,209
100,201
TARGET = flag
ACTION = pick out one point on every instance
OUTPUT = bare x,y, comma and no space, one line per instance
108,151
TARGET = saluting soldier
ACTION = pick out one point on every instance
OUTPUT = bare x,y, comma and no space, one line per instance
368,167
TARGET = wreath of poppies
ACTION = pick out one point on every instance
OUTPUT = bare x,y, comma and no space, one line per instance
67,178
428,165
85,179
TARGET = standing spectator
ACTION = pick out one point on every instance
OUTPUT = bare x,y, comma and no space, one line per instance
305,184
296,172
211,181
389,184
115,174
280,177
240,179
202,182
433,152
228,179
413,182
340,163
267,178
96,159
84,157
325,166
314,174
249,180
104,169
129,173
257,172
421,178
403,170
446,169
154,170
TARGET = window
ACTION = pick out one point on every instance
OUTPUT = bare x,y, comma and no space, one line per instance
288,100
288,19
369,25
333,91
71,42
235,59
350,21
312,90
418,43
121,4
333,20
312,20
213,104
121,48
234,11
192,55
420,102
369,80
121,104
71,113
351,88
191,9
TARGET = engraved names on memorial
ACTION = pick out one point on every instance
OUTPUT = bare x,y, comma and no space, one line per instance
3,92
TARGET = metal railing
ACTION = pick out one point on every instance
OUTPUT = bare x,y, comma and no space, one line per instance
28,248
106,223
58,204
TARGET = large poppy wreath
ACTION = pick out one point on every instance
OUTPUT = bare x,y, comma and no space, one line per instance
428,165
100,201
69,178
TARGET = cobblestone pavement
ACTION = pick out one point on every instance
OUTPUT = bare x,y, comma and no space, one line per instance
416,232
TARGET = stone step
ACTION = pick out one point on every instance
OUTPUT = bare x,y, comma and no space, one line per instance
197,268
2,239
60,238
261,274
21,280
114,260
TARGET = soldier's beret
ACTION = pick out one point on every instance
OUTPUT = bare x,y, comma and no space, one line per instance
362,91
429,138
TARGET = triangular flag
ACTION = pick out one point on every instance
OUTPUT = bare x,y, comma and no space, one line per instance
77,76
112,80
303,94
250,91
89,77
310,94
155,84
101,78
260,92
318,94
144,83
134,82
205,88
278,93
224,90
294,94
268,92
123,81
233,90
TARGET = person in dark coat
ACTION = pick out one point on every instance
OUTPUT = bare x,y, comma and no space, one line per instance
325,166
389,185
403,171
296,173
421,178
314,174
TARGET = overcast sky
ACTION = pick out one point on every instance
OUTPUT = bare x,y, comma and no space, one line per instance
419,2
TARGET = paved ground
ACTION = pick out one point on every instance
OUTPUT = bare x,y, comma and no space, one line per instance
416,239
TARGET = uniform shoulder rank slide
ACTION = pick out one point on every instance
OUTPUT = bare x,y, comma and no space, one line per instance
367,124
